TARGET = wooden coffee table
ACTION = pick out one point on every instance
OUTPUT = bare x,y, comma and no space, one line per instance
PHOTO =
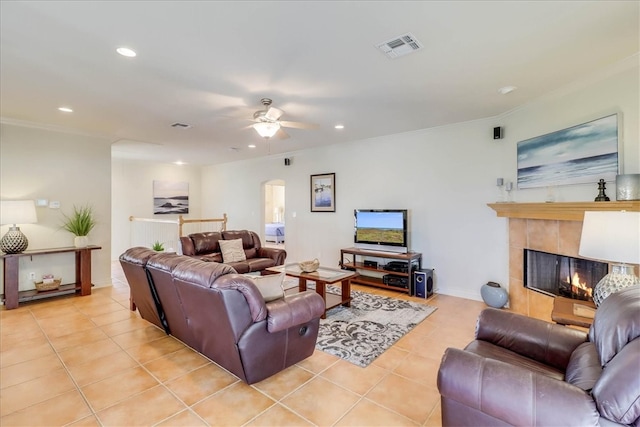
323,276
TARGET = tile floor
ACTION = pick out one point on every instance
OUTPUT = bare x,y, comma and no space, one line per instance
89,361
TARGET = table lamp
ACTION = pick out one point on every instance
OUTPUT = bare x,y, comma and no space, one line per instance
612,236
16,212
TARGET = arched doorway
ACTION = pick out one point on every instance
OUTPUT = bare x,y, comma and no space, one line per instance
274,209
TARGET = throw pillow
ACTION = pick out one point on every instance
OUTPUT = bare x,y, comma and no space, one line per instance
232,250
270,286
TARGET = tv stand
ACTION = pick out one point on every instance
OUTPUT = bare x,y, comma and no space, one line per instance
413,260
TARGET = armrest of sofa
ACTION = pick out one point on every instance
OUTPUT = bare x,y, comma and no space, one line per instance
511,394
278,255
187,246
536,339
293,310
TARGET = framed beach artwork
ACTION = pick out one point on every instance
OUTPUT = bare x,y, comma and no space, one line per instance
170,197
580,154
323,192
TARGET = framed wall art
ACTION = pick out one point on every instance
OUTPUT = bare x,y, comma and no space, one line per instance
170,197
581,154
323,192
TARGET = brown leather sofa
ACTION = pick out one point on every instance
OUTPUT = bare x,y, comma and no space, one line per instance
205,246
524,371
222,314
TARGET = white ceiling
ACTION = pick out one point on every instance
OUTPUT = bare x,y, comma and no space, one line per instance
208,64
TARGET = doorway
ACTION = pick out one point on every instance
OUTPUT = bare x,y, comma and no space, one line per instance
274,209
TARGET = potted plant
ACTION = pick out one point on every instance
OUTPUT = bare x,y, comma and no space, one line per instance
80,223
157,246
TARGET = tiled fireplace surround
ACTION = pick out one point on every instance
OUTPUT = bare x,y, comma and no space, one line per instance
547,227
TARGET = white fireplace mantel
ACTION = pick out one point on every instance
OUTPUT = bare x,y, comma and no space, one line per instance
569,211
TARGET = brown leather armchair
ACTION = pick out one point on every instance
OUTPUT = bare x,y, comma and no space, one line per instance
524,371
205,246
222,314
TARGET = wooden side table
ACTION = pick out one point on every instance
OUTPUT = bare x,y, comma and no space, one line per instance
11,265
563,312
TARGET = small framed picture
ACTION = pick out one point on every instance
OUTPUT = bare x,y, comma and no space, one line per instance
323,192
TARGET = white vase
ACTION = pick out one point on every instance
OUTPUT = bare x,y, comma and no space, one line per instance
81,241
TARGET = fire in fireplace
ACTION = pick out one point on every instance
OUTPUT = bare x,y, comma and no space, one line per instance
559,275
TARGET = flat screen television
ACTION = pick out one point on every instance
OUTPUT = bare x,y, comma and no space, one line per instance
381,229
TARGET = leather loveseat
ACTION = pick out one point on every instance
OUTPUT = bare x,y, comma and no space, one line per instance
524,371
222,314
206,246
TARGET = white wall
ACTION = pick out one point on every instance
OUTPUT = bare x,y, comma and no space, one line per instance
132,191
71,169
445,176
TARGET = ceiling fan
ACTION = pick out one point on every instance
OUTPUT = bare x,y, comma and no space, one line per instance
268,122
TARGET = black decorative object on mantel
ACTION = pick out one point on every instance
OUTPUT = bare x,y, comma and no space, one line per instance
601,196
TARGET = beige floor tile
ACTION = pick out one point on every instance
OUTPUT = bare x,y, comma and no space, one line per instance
279,416
116,388
55,310
201,383
284,382
310,401
153,350
435,418
234,405
391,358
25,394
101,368
318,361
107,305
358,380
139,336
176,364
186,418
144,409
29,370
367,413
126,325
77,338
408,398
34,350
87,352
21,337
90,421
116,316
420,369
58,411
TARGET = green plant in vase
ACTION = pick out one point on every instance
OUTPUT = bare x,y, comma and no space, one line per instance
157,246
80,223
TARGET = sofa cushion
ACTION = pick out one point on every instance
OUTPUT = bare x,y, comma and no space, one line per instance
205,243
616,323
259,264
270,286
584,368
232,250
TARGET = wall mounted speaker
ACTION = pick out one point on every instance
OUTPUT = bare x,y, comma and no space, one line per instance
423,280
497,133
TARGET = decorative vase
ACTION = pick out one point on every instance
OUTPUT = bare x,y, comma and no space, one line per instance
494,295
81,241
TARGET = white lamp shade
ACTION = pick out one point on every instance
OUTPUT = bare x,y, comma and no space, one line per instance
611,236
18,212
266,129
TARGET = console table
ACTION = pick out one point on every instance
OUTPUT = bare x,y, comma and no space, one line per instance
11,264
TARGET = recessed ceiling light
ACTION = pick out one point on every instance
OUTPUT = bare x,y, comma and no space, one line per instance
507,89
339,126
251,145
179,163
65,109
125,51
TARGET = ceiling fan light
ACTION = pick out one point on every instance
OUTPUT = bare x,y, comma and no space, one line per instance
266,129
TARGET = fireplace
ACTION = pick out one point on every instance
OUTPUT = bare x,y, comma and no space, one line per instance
560,275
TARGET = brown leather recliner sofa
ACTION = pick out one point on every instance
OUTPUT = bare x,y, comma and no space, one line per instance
524,371
205,246
222,314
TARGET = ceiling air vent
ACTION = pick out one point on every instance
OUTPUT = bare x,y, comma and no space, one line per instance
400,46
180,125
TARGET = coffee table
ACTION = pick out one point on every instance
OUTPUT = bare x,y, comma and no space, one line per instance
323,276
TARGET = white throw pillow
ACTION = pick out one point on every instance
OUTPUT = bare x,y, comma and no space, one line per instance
232,250
270,286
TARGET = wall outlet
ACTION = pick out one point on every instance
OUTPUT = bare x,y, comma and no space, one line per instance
32,276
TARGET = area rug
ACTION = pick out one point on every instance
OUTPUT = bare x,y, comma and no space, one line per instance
362,332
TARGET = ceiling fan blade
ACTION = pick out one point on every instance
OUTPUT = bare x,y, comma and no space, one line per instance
273,114
281,134
298,125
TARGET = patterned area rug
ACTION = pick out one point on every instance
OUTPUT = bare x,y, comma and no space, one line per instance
362,332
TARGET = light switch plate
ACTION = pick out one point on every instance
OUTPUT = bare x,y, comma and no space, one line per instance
54,204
